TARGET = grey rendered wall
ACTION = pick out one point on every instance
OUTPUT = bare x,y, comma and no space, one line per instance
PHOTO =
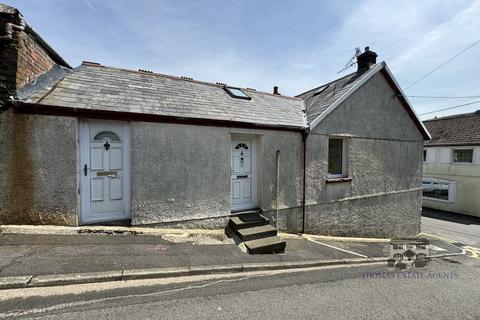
181,173
384,161
38,169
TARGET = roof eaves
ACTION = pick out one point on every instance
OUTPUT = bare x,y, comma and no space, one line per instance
343,97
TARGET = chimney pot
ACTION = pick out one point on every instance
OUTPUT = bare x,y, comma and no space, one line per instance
366,60
275,90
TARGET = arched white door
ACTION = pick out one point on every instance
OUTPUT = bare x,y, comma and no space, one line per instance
105,194
243,175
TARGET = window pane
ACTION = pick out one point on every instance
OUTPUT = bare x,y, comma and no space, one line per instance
335,156
436,190
424,155
463,155
106,134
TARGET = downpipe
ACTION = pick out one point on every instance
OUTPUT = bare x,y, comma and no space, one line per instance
277,188
304,140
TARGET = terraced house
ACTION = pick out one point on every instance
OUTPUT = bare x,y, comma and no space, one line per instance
98,144
451,164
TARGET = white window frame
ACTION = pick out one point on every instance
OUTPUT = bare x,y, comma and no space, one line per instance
463,148
344,173
430,155
452,189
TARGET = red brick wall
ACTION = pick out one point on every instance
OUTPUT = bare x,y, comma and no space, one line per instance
32,60
21,60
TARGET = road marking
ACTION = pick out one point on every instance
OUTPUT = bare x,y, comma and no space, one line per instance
473,252
337,248
467,250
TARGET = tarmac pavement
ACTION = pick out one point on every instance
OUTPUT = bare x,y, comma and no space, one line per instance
29,259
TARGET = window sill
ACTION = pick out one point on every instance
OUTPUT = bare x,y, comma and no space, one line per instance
439,200
338,180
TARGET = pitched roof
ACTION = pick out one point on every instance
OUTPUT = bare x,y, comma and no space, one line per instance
96,87
319,102
461,129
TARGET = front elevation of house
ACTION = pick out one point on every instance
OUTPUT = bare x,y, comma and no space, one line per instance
451,164
99,144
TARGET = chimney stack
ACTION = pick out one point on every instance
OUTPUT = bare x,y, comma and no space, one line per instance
275,90
366,60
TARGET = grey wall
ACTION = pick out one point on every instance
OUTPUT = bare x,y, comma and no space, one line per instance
38,169
182,172
384,162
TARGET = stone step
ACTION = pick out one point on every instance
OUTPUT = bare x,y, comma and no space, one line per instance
247,221
266,245
258,232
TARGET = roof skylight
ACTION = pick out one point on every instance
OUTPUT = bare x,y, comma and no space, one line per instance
236,93
320,90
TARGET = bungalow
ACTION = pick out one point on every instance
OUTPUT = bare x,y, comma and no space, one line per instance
99,144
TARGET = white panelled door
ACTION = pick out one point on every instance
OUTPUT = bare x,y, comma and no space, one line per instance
105,183
243,191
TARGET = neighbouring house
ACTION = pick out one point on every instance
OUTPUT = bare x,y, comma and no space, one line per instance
451,164
96,144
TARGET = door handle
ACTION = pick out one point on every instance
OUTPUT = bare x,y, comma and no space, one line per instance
242,177
85,170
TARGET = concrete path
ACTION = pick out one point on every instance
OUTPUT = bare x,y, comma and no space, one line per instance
42,256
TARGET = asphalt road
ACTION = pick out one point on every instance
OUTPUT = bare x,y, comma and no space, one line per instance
444,289
460,228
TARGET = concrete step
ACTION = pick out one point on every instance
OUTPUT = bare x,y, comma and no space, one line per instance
266,245
258,232
237,223
247,221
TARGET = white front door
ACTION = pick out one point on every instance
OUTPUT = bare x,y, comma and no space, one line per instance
105,180
243,189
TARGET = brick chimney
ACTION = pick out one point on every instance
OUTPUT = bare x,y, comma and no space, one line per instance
366,60
24,55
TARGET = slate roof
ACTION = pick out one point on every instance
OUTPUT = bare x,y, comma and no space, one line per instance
319,99
98,87
461,129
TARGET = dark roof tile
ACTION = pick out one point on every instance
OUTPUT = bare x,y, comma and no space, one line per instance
461,129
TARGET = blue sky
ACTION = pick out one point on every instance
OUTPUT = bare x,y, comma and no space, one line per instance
296,45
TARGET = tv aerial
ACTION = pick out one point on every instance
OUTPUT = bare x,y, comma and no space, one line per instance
352,60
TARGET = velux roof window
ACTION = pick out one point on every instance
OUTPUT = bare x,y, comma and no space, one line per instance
236,93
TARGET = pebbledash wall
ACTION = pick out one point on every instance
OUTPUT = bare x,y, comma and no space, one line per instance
38,171
181,174
384,162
